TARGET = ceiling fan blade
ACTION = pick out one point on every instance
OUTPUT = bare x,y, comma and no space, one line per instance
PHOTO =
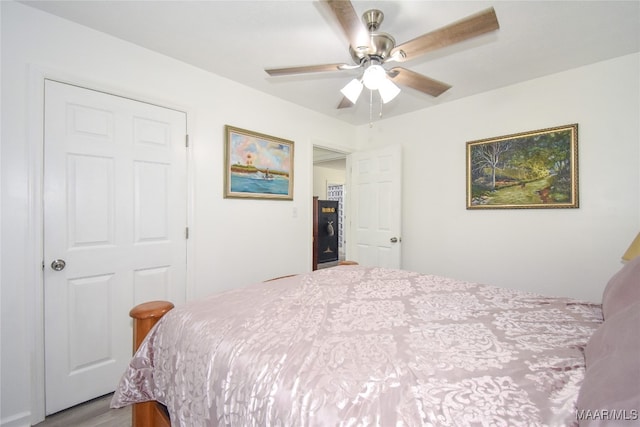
350,22
306,69
466,28
417,81
345,103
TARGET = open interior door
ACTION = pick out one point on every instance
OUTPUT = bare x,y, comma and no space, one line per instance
375,197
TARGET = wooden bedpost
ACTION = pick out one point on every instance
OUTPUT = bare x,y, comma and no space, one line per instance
145,316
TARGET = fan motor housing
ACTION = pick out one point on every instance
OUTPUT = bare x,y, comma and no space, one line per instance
380,46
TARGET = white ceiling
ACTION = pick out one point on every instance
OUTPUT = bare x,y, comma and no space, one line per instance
329,158
238,39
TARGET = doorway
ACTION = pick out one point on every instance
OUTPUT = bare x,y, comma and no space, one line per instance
330,183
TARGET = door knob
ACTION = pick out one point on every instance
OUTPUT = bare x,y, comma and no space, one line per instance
58,264
393,240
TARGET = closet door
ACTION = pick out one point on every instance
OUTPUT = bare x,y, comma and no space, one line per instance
114,231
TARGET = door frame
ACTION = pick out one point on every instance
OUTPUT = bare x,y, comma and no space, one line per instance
347,223
34,261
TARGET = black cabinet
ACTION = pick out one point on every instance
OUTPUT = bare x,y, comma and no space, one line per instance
327,230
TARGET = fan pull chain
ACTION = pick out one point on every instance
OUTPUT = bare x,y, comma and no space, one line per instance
370,108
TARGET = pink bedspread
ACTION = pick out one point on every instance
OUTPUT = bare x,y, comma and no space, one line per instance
357,346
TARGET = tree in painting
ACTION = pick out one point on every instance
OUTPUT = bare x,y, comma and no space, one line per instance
488,157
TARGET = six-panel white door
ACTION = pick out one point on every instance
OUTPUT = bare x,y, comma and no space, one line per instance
376,200
114,231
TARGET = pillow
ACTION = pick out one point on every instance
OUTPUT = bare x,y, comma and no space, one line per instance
610,392
623,289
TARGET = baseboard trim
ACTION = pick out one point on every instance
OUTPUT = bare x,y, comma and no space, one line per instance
22,419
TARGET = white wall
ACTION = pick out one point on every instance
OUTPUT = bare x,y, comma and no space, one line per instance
565,252
569,252
223,231
322,176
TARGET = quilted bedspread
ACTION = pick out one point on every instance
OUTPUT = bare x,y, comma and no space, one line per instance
359,346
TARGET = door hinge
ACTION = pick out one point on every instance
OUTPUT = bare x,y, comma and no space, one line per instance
186,141
186,232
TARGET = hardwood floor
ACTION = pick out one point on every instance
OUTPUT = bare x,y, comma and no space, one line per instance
94,413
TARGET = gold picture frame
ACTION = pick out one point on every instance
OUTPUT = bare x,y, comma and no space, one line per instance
536,169
257,166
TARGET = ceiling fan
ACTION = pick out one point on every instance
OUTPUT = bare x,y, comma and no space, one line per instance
371,50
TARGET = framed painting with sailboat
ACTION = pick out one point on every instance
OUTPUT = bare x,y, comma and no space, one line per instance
257,166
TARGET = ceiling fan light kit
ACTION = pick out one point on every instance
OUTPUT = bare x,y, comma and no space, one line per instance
381,48
352,90
388,90
375,81
373,76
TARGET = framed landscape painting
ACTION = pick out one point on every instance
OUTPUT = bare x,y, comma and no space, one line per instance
257,166
537,169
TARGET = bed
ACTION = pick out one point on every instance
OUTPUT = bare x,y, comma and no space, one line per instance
362,346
